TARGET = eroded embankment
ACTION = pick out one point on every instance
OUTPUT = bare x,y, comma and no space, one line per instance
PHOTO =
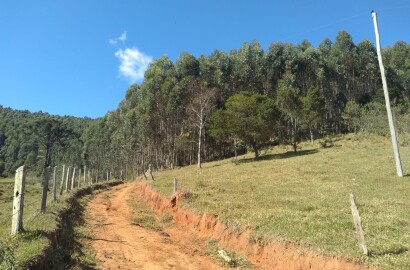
274,255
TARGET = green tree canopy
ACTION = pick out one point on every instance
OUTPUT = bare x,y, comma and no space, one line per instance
250,117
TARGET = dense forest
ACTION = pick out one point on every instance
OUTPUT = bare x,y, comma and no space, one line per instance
211,107
39,139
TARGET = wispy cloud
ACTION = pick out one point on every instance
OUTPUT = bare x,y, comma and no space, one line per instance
121,38
134,63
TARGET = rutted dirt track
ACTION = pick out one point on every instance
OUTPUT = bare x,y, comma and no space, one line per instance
121,245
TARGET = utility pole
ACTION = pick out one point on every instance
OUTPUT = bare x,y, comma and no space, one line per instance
387,99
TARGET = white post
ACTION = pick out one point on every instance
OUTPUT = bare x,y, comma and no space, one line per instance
67,179
387,99
72,179
18,200
85,168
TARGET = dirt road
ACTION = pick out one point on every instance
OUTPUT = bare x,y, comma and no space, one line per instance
119,243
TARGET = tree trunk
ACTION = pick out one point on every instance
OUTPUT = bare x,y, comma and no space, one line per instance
235,149
199,145
255,149
311,134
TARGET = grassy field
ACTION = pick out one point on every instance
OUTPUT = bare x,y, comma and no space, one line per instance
16,250
303,197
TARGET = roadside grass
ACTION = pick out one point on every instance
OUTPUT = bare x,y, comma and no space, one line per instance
32,242
303,197
31,247
236,261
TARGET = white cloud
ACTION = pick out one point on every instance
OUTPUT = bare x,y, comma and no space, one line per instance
133,63
122,38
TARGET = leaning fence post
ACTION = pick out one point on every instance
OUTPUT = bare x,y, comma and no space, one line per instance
175,185
45,190
18,200
358,224
55,183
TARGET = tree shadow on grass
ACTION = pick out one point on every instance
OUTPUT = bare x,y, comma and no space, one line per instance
289,154
391,251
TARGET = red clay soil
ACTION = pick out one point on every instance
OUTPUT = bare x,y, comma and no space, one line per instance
276,255
121,245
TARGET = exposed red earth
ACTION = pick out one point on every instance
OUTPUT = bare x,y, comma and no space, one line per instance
121,245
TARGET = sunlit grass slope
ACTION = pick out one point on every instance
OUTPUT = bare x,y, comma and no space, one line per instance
303,197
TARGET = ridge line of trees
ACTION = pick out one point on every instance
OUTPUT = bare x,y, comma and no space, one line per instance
195,109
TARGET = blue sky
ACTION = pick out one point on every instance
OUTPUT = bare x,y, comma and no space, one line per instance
79,57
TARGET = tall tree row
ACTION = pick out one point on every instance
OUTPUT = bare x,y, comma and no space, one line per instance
165,121
184,111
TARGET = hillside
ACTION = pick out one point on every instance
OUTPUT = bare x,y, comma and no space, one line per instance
303,197
21,141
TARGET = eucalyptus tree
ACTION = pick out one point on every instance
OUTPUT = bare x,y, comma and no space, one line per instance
313,109
289,101
368,71
274,68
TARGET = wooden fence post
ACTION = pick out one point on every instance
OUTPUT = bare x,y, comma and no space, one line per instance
72,179
175,185
358,224
85,168
55,183
18,200
79,178
45,190
67,179
62,181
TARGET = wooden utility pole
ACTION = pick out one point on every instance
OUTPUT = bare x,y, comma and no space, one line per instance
55,183
387,99
18,200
